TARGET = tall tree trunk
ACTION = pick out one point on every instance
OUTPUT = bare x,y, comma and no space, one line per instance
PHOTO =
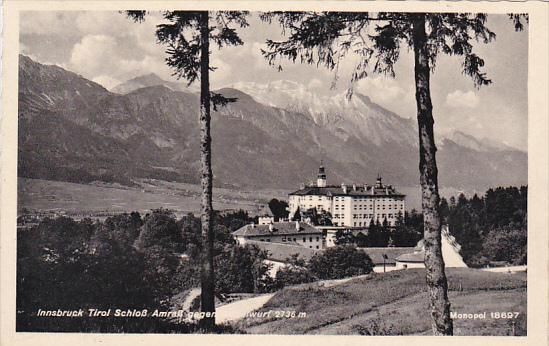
207,263
434,264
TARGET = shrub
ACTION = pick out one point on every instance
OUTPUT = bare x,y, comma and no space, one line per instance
339,262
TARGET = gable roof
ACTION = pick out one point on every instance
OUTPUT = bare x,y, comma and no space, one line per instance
279,228
392,253
280,252
414,257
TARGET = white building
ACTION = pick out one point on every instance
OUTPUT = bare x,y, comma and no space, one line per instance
290,233
350,205
450,253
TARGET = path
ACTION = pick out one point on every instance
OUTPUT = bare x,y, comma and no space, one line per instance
238,310
186,306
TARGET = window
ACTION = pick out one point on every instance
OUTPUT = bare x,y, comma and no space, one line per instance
311,239
295,240
268,239
304,239
317,239
317,246
261,239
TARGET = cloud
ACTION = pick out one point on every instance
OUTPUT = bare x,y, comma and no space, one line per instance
47,23
107,81
382,89
93,54
222,72
98,56
461,99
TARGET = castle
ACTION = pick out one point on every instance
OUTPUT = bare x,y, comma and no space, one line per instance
350,205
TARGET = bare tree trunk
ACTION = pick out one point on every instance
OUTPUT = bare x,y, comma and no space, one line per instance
434,264
207,264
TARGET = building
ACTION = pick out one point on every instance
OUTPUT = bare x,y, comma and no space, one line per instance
290,233
350,205
450,253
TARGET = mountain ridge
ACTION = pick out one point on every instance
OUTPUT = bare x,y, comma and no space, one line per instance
152,132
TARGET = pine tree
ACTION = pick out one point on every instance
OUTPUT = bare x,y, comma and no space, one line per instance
187,35
376,39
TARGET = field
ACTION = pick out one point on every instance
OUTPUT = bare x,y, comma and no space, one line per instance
43,195
396,303
36,194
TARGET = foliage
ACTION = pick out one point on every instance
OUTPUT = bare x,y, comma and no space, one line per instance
182,35
339,262
377,327
160,229
242,269
378,234
490,228
65,264
297,215
279,209
509,245
344,237
322,218
292,275
375,40
408,230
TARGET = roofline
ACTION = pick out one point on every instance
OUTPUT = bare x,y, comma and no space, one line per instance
347,194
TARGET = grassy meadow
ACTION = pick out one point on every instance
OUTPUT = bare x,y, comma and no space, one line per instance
395,303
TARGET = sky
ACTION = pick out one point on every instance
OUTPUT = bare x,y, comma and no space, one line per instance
109,49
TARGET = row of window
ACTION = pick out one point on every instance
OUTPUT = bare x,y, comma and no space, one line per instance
285,239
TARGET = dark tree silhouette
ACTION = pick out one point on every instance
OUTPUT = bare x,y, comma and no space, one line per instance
187,35
376,39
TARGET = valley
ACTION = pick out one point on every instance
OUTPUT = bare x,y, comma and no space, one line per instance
98,197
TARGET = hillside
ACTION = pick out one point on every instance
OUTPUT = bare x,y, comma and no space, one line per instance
72,129
395,303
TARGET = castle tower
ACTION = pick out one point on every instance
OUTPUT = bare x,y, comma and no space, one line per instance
321,177
379,183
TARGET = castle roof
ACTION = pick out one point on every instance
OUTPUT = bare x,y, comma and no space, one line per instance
358,191
278,228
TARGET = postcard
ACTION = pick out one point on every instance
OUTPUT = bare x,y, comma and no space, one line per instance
274,172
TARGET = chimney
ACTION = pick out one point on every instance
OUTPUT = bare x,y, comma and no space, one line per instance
297,226
372,190
354,187
386,190
252,225
271,229
344,188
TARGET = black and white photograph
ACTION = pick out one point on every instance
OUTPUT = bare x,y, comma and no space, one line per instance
282,172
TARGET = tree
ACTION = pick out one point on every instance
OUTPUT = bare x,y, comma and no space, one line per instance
297,215
339,262
187,36
326,38
344,237
278,208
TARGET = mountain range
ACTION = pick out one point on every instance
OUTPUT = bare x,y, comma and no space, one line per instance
273,136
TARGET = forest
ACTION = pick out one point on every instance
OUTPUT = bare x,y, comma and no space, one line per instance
131,261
